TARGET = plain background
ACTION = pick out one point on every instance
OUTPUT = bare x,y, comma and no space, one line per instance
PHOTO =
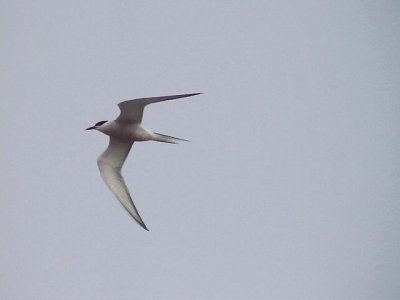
289,189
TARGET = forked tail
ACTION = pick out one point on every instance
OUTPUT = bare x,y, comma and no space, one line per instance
166,138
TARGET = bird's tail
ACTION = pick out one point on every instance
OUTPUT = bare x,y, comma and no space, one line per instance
166,138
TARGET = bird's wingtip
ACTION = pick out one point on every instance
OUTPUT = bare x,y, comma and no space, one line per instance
143,226
192,94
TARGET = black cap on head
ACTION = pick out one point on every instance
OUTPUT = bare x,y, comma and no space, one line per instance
96,125
100,123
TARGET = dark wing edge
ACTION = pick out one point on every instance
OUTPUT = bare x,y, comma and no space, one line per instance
132,110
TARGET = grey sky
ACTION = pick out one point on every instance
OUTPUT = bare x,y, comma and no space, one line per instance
290,186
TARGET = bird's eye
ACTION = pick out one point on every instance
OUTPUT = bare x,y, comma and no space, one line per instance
100,123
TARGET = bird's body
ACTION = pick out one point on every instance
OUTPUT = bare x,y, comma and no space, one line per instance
123,132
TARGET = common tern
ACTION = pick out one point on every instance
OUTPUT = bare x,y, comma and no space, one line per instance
123,132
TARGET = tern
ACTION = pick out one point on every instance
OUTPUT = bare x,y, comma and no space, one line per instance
123,132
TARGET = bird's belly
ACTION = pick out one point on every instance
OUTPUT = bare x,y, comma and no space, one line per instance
138,133
140,136
128,131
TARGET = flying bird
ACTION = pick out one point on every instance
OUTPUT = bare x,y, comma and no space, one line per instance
123,132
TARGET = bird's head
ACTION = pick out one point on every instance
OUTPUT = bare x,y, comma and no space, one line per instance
97,125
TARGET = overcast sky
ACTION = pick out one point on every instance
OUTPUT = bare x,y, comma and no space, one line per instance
289,189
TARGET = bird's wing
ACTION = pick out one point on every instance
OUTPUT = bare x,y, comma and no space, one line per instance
132,110
110,164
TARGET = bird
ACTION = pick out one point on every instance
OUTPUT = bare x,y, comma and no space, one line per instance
123,132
